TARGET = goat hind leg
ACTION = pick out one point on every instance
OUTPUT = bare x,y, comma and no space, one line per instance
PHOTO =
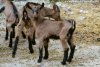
63,39
66,49
72,47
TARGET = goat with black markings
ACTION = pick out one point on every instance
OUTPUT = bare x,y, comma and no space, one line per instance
12,19
46,29
53,13
28,24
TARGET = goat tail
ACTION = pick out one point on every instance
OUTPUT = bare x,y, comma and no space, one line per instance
73,24
72,29
2,9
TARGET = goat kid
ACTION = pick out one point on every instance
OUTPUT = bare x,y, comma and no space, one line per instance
12,19
46,29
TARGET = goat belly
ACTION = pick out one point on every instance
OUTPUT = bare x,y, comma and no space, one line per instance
54,37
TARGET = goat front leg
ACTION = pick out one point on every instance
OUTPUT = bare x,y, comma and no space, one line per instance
13,32
30,44
11,38
32,33
23,34
33,41
7,34
17,34
40,50
15,46
30,36
46,48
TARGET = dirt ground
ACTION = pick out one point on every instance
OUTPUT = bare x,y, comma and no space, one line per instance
87,52
87,56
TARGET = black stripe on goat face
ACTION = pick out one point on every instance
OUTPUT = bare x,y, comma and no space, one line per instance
25,16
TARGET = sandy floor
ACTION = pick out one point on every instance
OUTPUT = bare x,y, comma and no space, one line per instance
84,56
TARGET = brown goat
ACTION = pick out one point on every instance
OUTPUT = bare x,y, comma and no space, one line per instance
12,18
28,24
46,29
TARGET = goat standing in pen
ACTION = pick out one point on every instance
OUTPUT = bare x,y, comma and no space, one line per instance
53,13
46,29
28,24
12,19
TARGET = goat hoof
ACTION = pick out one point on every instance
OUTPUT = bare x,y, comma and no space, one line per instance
13,36
13,56
45,57
39,60
34,43
10,46
63,63
31,51
6,39
69,60
24,37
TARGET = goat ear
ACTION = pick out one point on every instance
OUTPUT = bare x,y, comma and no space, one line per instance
24,14
27,5
56,8
42,6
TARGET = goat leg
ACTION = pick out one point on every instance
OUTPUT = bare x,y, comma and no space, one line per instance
11,37
15,46
30,45
7,34
46,48
65,57
23,34
40,55
33,41
71,54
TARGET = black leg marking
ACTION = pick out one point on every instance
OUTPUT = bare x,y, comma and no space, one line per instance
7,34
2,9
23,34
46,52
72,47
15,47
71,54
30,45
34,42
13,32
40,55
46,49
11,37
65,57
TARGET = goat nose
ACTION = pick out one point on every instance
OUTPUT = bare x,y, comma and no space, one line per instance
34,10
